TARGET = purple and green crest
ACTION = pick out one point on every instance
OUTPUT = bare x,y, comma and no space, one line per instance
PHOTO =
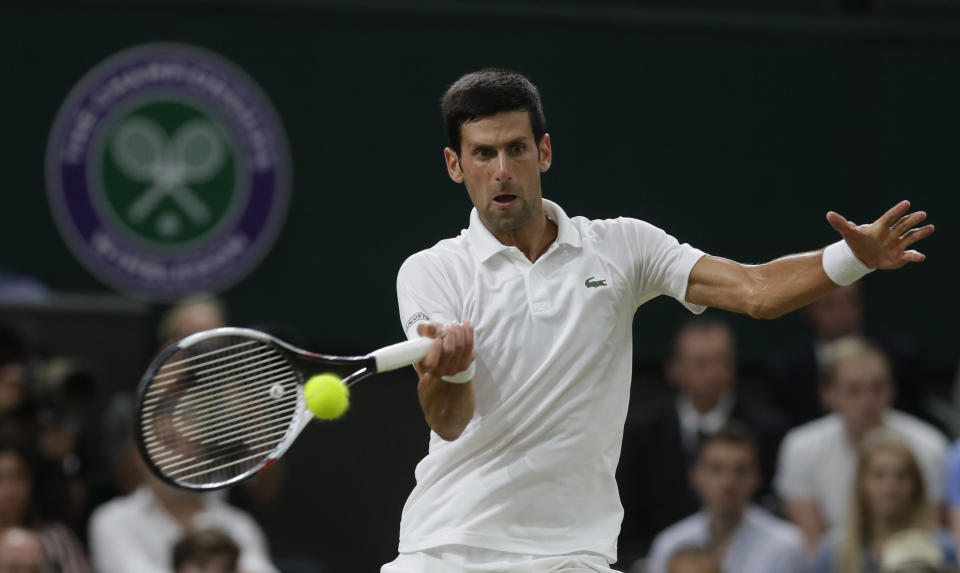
168,172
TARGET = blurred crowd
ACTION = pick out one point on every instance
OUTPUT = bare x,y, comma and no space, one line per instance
75,495
842,465
841,462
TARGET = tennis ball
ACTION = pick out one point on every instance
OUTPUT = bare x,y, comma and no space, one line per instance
326,396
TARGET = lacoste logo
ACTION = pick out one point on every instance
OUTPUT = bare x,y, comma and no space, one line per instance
590,283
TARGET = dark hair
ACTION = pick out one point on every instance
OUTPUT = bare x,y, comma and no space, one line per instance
700,324
487,92
733,432
201,545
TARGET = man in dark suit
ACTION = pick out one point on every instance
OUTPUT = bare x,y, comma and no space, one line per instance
661,442
795,370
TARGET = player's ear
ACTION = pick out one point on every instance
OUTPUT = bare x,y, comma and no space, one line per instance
453,165
546,153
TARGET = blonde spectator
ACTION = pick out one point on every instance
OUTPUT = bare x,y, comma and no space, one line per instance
888,497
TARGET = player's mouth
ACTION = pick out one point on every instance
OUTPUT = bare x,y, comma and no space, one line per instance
504,200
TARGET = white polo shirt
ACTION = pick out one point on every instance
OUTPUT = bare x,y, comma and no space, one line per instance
817,461
533,472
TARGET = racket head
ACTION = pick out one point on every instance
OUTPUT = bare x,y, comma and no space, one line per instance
219,406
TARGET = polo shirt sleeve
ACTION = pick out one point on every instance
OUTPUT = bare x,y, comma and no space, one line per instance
658,262
425,293
953,476
793,479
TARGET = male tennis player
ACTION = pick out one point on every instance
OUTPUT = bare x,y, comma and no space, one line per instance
520,471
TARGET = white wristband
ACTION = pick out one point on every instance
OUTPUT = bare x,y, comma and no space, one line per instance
842,266
462,377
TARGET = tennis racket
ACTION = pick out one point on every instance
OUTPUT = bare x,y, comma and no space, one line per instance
223,404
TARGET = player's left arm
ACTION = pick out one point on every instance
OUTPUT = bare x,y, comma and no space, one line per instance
772,289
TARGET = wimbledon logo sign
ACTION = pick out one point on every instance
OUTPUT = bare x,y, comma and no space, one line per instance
168,171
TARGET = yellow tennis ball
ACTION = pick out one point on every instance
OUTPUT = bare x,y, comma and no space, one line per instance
326,396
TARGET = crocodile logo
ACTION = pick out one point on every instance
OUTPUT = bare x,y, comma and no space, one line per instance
590,283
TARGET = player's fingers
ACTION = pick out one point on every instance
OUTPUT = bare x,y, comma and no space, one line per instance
839,223
460,350
894,213
907,222
429,361
428,329
915,235
913,257
469,330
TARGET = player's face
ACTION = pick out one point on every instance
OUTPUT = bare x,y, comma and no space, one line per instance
862,390
500,164
887,485
725,476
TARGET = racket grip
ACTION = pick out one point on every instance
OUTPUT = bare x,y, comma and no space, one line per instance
401,354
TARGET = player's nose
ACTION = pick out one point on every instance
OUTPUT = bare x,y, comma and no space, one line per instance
502,174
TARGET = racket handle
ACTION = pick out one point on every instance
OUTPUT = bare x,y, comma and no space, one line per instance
401,354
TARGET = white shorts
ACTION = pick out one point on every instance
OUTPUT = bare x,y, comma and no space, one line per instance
464,559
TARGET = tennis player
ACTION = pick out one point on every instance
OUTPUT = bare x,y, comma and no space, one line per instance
526,387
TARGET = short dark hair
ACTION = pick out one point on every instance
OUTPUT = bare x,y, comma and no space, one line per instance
201,545
702,323
487,92
733,432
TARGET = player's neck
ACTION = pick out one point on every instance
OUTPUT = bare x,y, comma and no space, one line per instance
533,240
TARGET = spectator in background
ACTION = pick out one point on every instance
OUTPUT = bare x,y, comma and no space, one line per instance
693,560
22,552
653,473
953,489
887,497
796,369
189,316
745,538
206,551
912,551
818,459
137,532
18,508
15,418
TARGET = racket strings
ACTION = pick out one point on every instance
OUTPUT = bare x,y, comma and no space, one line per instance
216,410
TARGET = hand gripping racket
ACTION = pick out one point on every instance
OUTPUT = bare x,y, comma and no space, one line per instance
223,404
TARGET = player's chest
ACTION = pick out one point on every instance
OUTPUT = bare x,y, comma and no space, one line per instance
561,289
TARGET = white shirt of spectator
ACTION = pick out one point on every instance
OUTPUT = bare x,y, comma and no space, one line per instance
693,422
134,533
533,472
817,461
761,543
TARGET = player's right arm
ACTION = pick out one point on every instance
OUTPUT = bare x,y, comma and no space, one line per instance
447,406
431,305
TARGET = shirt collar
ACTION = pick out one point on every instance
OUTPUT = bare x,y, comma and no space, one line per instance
487,245
692,421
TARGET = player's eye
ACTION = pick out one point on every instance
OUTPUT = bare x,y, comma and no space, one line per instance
517,148
484,152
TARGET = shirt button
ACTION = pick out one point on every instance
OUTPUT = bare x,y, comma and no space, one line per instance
540,306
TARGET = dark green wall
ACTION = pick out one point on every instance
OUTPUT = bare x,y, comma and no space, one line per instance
736,135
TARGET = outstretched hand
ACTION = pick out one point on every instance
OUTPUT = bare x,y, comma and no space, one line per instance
883,243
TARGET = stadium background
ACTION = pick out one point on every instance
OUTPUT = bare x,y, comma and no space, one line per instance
735,128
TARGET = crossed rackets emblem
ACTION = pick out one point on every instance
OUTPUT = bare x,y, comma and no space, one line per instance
171,165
